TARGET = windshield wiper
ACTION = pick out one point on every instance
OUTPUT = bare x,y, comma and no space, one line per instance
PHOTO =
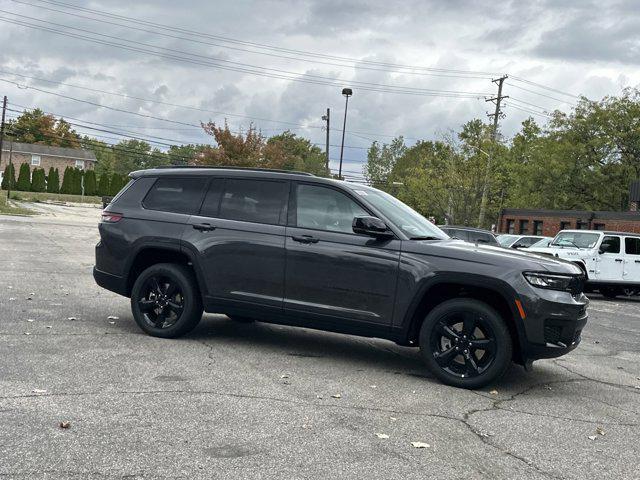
425,238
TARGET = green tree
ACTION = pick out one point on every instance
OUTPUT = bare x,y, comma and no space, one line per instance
130,155
104,188
9,177
38,180
76,184
35,126
24,178
53,181
381,161
90,187
67,181
290,152
116,184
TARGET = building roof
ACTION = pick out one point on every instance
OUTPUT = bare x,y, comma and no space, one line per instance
572,214
34,148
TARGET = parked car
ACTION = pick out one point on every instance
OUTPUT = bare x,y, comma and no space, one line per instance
611,260
470,234
295,249
542,243
518,241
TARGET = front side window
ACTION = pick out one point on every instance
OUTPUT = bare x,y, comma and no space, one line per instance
323,208
35,160
613,244
177,195
258,201
632,246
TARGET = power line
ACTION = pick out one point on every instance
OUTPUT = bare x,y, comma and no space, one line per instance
551,89
543,95
179,55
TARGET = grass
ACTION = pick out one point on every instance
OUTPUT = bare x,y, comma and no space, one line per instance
51,197
6,209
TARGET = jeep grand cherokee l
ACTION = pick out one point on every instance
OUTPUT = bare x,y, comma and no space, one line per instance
295,249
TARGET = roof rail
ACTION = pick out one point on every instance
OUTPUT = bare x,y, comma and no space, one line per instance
250,169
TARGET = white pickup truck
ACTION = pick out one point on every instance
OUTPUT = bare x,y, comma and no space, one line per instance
611,260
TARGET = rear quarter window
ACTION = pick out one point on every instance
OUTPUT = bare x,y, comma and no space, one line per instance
176,195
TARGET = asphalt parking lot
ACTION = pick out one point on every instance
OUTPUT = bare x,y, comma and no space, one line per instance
260,401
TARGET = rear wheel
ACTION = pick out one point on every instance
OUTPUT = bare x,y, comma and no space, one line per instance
465,343
165,300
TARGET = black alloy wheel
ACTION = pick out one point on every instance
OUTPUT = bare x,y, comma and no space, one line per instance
465,343
166,301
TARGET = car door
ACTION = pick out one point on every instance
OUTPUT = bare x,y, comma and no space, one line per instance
238,236
331,272
631,273
610,263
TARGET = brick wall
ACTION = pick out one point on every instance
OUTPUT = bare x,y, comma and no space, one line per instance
551,225
46,162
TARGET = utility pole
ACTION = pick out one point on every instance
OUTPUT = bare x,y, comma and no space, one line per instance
497,115
327,118
11,172
4,111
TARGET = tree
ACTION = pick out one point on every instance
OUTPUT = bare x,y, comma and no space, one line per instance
38,180
233,150
90,187
104,188
35,126
130,155
290,152
76,183
24,178
67,181
116,184
381,161
53,181
9,177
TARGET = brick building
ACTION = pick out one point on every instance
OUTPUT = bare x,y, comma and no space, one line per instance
45,156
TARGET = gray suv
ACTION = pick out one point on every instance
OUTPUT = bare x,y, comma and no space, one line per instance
295,249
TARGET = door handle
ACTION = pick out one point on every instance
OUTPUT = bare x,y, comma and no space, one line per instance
618,259
637,261
305,239
204,227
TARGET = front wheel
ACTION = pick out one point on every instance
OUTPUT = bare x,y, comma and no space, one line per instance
465,343
165,300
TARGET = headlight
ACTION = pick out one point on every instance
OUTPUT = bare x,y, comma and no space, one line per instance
567,283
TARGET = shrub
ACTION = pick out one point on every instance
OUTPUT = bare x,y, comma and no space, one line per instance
103,185
53,181
116,184
90,187
66,181
38,181
9,176
24,178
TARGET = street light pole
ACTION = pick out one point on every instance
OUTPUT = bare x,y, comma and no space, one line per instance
347,92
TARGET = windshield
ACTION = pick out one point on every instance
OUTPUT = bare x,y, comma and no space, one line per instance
412,224
576,239
507,240
541,243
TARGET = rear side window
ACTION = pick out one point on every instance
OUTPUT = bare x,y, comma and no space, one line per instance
177,195
632,246
483,238
211,204
257,201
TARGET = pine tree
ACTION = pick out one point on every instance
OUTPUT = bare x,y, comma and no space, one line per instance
90,187
9,176
24,178
38,181
116,184
53,181
103,185
76,185
67,180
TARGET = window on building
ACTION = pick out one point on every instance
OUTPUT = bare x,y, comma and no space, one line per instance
599,226
258,201
632,245
524,226
322,208
80,164
35,160
582,225
565,225
177,195
511,226
537,227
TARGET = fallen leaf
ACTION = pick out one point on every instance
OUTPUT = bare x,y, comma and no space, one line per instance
112,323
38,390
336,395
64,424
373,386
49,326
11,299
600,431
420,445
620,368
393,419
637,386
30,320
493,392
382,435
591,437
284,375
112,317
27,333
319,396
71,318
596,341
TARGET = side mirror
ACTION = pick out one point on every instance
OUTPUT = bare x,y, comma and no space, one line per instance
372,226
517,246
604,248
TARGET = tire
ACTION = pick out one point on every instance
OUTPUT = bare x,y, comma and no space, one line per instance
166,301
474,324
239,319
610,292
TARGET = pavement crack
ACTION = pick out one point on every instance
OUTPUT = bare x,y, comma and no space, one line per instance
591,379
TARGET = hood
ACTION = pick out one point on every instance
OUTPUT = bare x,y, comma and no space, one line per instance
498,256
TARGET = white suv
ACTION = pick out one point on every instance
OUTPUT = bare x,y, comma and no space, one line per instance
611,260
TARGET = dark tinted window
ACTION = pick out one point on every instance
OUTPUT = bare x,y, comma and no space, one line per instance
178,195
211,204
511,226
460,234
537,227
323,208
632,246
258,201
565,225
482,237
524,226
613,243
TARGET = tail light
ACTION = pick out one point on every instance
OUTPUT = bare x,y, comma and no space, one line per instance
110,217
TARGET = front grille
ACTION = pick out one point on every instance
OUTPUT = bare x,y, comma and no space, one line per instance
560,332
552,334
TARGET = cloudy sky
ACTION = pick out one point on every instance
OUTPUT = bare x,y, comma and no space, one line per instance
418,68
